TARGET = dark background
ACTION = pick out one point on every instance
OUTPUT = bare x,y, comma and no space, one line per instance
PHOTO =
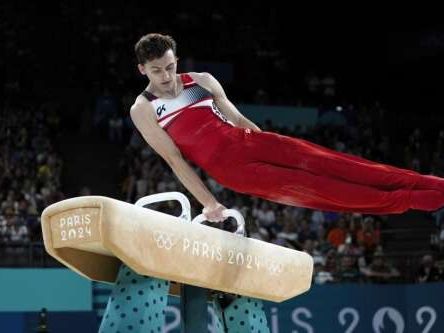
61,50
63,65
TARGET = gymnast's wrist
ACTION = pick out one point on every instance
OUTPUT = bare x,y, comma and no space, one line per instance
211,204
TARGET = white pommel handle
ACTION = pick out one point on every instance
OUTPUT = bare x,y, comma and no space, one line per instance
167,196
227,213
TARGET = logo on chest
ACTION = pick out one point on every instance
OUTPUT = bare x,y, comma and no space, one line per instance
160,109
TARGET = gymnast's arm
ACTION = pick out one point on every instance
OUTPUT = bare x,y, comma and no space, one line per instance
207,81
142,115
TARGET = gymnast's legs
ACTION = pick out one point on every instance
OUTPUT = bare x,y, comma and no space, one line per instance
296,172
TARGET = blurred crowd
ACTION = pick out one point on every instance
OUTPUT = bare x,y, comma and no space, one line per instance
30,171
90,65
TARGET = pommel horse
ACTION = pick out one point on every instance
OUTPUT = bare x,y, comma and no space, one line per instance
147,255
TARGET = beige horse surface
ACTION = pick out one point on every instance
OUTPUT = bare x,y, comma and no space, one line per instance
92,235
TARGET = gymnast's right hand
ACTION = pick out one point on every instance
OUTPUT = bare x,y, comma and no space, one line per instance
213,212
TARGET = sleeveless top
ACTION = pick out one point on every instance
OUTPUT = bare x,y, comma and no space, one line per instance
193,97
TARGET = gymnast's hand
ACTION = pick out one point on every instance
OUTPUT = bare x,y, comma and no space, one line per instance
255,128
213,212
250,126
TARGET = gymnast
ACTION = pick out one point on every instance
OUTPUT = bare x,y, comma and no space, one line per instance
189,117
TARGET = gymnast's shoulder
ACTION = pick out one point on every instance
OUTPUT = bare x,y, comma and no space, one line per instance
205,80
141,106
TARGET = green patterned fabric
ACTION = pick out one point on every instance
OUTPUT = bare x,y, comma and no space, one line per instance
137,304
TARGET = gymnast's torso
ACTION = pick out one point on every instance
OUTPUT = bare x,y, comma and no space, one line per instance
193,121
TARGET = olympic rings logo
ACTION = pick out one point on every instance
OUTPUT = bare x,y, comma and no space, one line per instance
274,268
164,240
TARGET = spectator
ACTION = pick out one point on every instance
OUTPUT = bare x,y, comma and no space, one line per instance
368,237
428,271
321,275
338,235
305,232
265,215
310,248
317,221
331,261
380,271
115,129
348,270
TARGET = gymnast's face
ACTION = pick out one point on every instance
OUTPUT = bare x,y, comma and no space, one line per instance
161,71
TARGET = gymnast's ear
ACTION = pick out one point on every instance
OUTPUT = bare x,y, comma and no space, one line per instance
141,69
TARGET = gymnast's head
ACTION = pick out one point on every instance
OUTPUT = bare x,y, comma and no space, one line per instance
156,57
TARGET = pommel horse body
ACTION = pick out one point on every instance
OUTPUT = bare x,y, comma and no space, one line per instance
147,255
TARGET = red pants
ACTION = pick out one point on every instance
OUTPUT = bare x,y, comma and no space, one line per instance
296,172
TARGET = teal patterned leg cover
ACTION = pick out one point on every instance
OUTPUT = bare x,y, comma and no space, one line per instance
137,304
246,315
218,319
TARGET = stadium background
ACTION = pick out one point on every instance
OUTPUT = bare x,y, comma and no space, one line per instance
371,87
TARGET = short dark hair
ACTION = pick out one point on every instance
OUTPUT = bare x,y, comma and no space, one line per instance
153,46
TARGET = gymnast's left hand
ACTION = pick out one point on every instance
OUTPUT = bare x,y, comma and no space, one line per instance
213,212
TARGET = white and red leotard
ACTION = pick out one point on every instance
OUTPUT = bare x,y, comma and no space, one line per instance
284,169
